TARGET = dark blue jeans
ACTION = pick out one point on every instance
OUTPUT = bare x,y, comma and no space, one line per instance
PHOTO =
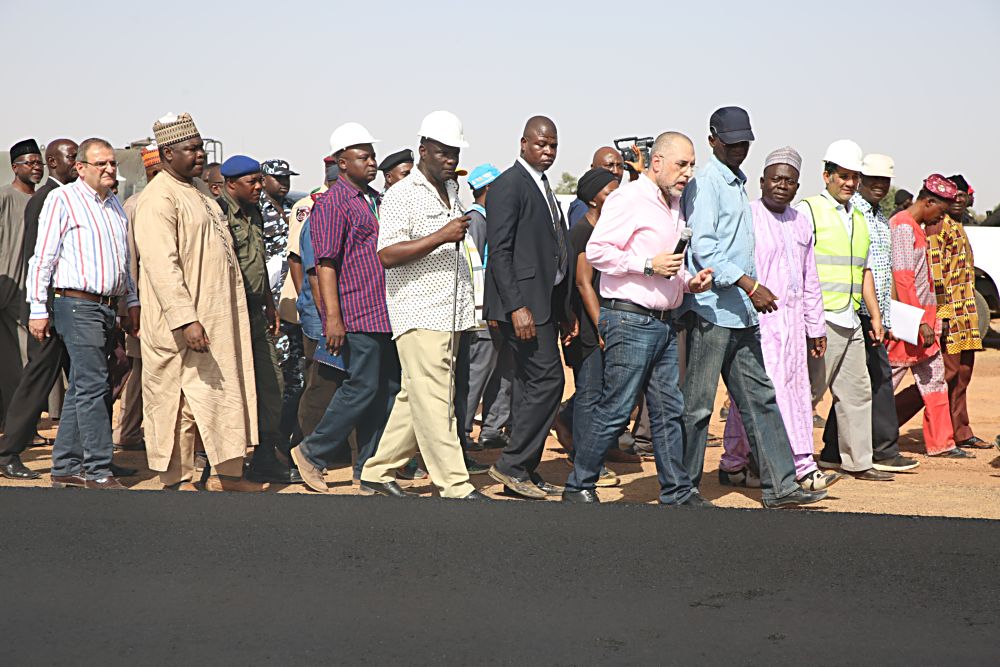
363,402
636,349
83,444
736,354
588,379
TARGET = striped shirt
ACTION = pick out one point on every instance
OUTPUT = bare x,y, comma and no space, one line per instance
344,229
82,245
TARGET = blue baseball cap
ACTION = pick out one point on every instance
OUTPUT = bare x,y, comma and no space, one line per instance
239,165
482,176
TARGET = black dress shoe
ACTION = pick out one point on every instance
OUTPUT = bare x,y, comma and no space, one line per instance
547,488
696,501
267,467
122,471
584,496
476,495
17,470
798,497
391,489
974,443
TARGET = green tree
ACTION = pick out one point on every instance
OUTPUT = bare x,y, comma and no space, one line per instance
888,203
567,184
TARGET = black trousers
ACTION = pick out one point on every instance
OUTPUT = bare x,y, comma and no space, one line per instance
885,426
45,362
538,388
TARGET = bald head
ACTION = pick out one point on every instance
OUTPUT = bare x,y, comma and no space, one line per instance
609,158
539,142
671,142
60,158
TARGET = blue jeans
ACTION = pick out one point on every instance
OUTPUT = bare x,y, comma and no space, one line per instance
637,348
362,402
83,444
588,378
736,354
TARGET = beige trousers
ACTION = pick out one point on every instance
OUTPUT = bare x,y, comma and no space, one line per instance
181,466
422,418
844,371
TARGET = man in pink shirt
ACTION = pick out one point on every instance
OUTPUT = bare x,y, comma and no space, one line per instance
642,281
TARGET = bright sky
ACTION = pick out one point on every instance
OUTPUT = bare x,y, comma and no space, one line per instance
916,80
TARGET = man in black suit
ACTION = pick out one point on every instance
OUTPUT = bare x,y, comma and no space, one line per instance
528,279
46,360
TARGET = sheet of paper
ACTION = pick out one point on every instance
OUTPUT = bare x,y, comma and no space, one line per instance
906,321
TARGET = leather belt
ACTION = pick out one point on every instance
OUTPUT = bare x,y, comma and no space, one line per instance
87,296
629,307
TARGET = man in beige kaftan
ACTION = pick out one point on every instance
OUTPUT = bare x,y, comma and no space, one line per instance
195,332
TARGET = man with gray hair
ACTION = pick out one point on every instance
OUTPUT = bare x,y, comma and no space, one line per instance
783,253
642,280
82,248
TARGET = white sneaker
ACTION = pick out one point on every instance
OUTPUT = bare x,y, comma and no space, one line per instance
816,480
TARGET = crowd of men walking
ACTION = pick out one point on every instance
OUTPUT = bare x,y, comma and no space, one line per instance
362,327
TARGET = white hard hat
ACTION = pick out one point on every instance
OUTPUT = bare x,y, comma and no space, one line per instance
877,165
844,153
350,134
445,127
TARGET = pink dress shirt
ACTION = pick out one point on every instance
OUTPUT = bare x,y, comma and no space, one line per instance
636,225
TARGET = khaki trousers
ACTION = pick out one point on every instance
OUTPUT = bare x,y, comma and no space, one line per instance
844,371
129,431
421,416
181,466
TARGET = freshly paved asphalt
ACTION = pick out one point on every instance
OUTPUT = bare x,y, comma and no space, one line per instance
157,578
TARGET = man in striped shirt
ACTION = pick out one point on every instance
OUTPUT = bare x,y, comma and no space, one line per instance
82,248
344,229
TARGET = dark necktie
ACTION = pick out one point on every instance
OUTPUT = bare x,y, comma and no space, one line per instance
556,227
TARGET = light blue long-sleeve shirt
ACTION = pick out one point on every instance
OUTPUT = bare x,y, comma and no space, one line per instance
717,208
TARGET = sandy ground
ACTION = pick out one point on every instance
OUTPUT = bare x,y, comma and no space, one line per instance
967,488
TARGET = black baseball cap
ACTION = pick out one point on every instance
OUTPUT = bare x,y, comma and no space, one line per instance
731,125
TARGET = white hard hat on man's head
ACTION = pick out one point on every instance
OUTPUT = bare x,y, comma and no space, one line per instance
445,127
845,153
350,134
876,164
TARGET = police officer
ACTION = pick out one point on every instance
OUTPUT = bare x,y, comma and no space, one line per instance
240,196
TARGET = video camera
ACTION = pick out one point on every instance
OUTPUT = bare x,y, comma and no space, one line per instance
644,144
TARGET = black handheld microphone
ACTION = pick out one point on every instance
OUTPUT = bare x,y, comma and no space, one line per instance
682,242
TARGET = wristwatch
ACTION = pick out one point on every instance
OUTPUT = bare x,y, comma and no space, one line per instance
648,270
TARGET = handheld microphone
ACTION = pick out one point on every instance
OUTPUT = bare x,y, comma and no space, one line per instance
682,242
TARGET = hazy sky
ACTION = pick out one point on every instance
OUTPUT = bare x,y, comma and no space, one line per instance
917,80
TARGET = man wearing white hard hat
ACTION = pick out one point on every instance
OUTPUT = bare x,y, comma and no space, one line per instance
344,227
876,177
841,245
430,297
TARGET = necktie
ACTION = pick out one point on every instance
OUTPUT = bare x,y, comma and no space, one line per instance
556,226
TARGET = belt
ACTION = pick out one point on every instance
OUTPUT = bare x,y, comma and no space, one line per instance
629,307
87,296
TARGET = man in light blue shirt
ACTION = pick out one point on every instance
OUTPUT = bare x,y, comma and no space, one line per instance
722,332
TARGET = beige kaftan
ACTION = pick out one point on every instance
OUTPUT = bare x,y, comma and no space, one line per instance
189,272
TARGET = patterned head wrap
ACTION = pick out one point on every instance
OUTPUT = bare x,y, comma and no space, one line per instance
173,129
150,155
940,187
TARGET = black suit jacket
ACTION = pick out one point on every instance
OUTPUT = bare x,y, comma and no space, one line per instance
31,212
523,252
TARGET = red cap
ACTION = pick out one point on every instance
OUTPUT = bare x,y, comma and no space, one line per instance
939,186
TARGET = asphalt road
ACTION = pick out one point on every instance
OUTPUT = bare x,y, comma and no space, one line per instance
218,579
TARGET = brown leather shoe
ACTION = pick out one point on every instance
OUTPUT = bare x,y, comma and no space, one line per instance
232,485
67,481
108,482
181,486
526,488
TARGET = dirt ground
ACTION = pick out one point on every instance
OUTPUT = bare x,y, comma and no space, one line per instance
966,488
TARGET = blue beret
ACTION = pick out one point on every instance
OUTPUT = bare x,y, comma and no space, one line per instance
239,165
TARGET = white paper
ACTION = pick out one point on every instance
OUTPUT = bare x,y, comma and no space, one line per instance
906,321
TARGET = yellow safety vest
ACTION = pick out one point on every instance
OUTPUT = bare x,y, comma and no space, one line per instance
840,258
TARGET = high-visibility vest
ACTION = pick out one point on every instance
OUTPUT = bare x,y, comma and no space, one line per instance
840,257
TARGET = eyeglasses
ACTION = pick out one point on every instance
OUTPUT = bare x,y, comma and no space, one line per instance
30,163
104,164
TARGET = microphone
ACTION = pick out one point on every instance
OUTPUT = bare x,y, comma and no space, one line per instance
682,242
